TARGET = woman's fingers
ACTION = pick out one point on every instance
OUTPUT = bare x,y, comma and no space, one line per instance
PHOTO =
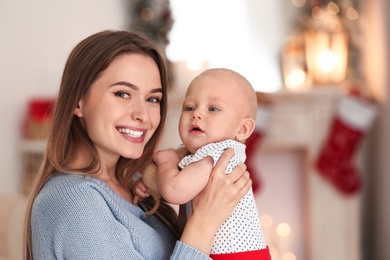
242,182
223,192
237,173
223,161
239,176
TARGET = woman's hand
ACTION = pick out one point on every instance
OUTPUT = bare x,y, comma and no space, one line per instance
214,204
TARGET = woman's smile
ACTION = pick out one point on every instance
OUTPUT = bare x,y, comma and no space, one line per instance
133,135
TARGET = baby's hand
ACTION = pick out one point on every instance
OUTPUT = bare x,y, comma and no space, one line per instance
140,190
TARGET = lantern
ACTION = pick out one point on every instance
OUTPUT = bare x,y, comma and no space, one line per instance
326,55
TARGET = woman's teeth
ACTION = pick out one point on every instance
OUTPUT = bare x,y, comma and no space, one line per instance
131,133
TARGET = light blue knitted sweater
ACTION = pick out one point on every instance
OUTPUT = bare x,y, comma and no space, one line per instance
79,217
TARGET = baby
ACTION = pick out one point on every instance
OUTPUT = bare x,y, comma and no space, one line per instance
218,113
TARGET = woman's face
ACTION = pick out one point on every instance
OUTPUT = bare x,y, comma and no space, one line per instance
122,109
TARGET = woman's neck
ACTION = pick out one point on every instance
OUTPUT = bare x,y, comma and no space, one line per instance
116,186
106,172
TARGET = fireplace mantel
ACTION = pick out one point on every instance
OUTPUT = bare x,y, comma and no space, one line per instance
300,121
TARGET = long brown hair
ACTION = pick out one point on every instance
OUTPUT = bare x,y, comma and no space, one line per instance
85,63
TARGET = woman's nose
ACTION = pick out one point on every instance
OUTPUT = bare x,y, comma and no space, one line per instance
140,112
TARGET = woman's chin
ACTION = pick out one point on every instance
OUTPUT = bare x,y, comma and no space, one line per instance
132,156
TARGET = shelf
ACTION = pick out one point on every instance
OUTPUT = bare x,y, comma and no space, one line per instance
33,146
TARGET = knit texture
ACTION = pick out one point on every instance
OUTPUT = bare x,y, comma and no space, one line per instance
80,217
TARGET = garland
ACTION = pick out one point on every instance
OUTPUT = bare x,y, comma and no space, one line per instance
153,18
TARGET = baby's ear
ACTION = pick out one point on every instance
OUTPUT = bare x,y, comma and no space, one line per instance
247,126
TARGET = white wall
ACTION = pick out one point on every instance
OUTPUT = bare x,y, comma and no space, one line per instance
235,34
37,36
376,67
35,40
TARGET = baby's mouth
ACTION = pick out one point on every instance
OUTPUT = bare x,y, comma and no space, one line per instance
130,132
196,129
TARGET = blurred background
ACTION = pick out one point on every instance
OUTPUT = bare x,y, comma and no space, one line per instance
319,155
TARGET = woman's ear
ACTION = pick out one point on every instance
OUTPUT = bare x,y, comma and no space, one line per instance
247,126
78,110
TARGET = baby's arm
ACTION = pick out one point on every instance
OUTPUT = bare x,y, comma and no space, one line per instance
179,187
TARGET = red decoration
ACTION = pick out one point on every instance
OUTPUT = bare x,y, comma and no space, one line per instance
335,161
252,143
38,118
40,109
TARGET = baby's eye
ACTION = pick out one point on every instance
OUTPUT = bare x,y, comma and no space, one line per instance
154,100
122,94
188,108
213,109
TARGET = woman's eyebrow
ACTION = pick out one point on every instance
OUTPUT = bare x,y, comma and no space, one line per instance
157,90
132,86
125,83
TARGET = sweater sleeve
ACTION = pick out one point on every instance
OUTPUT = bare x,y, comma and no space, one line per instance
184,251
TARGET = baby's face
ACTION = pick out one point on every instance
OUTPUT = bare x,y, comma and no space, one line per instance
212,111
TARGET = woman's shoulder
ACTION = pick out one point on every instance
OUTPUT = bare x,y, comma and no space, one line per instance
69,180
71,184
72,193
64,190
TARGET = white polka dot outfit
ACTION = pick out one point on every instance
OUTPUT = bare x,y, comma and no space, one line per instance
242,230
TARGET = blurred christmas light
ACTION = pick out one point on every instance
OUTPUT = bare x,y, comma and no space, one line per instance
352,14
295,79
283,229
327,55
147,14
317,13
293,63
298,3
326,61
333,8
266,221
273,252
289,256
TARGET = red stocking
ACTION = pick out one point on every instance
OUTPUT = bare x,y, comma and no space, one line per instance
354,116
251,145
263,114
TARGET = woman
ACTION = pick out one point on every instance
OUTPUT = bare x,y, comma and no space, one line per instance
109,116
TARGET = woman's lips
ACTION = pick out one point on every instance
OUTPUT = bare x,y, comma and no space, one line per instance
132,134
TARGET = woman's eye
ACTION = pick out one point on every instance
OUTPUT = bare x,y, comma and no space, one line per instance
154,100
122,94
